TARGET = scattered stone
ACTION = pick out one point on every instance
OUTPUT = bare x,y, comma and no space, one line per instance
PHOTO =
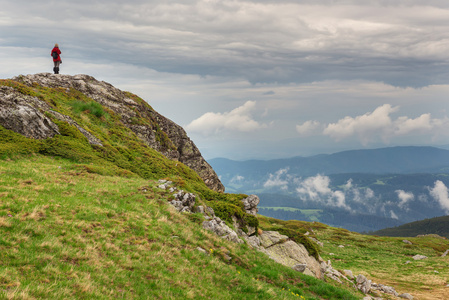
219,227
348,273
300,267
419,257
307,233
407,262
227,257
384,289
407,242
183,201
406,296
445,253
331,253
199,209
341,246
363,284
316,241
201,250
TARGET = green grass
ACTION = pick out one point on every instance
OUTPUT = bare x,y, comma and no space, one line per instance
67,233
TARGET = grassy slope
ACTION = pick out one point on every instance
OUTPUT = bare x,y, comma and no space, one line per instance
382,258
67,233
81,221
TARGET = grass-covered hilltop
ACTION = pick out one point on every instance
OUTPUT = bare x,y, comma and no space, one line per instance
101,197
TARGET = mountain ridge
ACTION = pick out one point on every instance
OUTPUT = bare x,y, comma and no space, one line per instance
382,161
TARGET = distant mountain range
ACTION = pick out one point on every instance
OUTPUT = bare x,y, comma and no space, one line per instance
397,184
374,161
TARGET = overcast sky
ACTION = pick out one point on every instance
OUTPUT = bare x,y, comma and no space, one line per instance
255,79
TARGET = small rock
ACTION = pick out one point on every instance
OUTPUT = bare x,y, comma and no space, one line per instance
363,284
331,254
407,262
201,250
407,242
316,241
348,273
199,209
300,267
227,257
419,257
406,296
341,246
445,253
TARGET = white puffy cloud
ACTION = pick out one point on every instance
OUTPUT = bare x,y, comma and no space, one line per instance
238,119
441,194
404,198
237,179
317,189
278,179
364,126
378,124
309,128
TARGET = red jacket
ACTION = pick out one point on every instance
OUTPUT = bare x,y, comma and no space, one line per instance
56,49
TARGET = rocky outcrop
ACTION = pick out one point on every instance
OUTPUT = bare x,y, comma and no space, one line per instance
21,114
26,115
219,227
250,204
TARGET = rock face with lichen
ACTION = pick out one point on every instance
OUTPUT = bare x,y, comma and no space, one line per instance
26,115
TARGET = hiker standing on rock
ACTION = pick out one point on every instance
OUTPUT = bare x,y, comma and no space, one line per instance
56,58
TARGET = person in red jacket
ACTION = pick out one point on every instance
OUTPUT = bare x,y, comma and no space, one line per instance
55,53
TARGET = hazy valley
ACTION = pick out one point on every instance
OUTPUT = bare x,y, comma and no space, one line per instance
360,190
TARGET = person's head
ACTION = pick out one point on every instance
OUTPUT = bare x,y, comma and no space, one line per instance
56,45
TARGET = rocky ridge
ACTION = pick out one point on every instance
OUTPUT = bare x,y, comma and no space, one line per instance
26,115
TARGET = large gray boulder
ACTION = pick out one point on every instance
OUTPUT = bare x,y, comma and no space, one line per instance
286,252
17,113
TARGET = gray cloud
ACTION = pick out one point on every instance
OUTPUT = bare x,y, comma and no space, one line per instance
299,60
401,44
